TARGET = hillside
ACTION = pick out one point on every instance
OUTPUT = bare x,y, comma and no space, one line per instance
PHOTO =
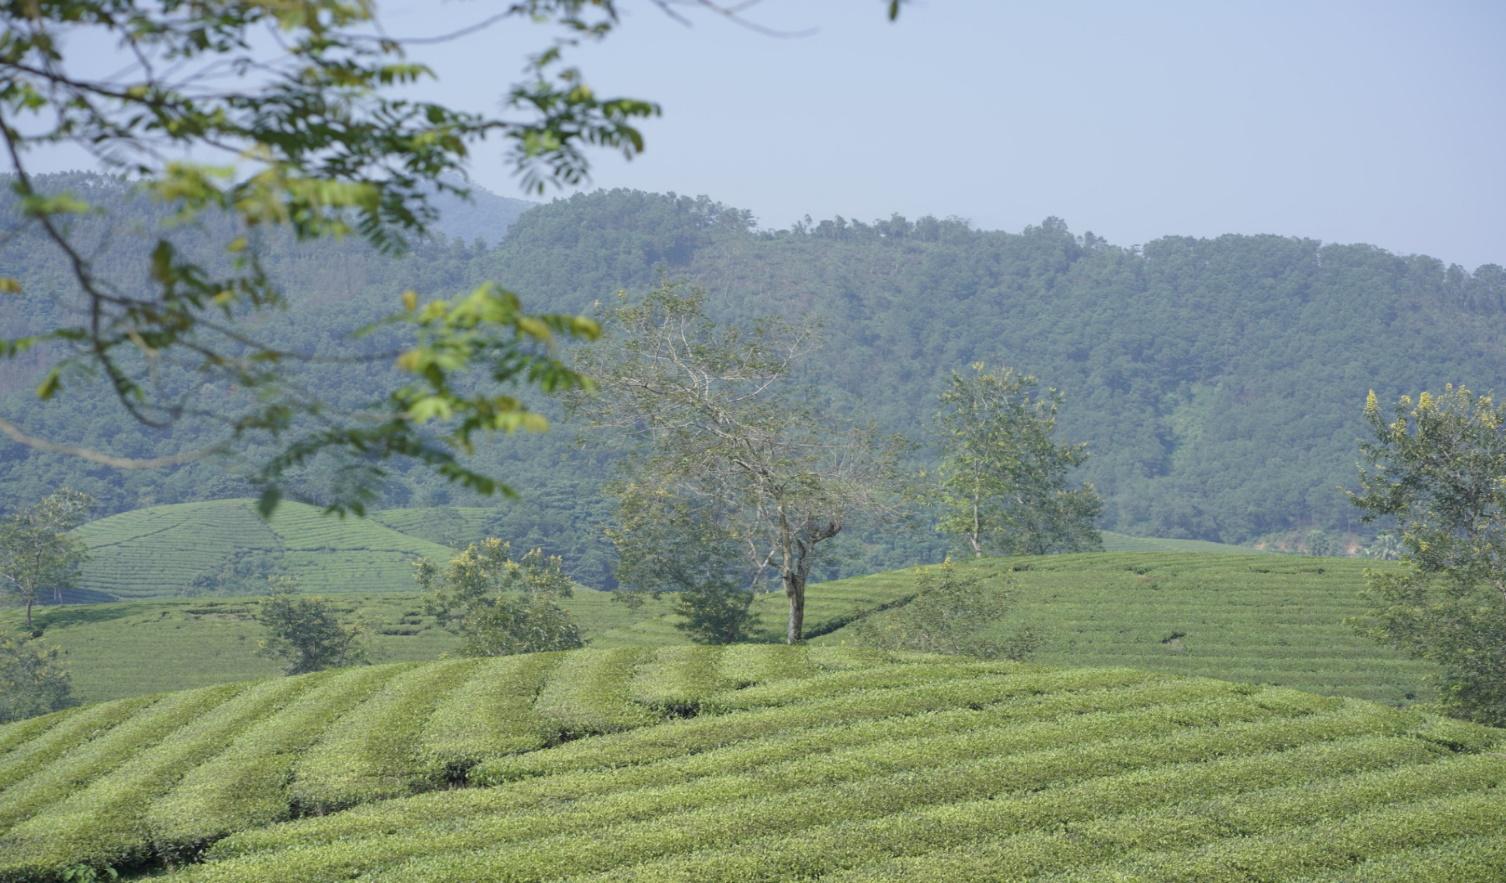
750,763
1256,618
1252,617
1193,368
223,547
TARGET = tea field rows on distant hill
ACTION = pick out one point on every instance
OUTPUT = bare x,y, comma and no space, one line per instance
224,547
1258,618
792,763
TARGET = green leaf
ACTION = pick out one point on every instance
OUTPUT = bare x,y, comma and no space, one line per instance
49,384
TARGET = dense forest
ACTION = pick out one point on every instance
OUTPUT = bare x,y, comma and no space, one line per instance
1217,382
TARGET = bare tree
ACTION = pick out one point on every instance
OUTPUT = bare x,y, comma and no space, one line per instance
717,419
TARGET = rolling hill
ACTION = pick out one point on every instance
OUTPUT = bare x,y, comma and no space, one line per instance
223,547
1260,618
749,763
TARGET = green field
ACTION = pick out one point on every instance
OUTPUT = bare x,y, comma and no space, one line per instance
129,648
1119,542
224,547
750,763
1258,618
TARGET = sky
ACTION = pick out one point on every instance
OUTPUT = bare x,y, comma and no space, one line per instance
1379,122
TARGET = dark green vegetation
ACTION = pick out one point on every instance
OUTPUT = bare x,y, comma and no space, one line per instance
1193,369
794,762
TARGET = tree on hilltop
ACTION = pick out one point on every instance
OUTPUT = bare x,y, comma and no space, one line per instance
722,426
500,605
1004,479
38,554
306,633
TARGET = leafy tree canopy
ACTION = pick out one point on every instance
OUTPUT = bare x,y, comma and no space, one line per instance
1436,466
306,633
32,679
1004,479
500,605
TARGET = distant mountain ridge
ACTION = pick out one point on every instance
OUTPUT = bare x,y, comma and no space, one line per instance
1218,382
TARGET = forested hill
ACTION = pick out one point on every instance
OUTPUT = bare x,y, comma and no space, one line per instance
1218,382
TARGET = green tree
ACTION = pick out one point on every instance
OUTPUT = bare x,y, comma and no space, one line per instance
1437,468
306,633
1004,481
652,532
953,612
499,605
32,680
37,552
722,425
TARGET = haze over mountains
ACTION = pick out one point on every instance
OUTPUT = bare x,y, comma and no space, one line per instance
1218,382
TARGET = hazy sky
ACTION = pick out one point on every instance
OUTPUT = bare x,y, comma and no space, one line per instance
1377,122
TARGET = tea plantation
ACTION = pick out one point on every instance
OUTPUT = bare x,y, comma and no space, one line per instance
1259,618
1270,619
750,763
223,545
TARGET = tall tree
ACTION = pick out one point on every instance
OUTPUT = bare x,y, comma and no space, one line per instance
37,552
723,424
1004,480
1437,468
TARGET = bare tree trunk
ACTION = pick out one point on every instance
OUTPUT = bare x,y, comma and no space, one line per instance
30,600
794,587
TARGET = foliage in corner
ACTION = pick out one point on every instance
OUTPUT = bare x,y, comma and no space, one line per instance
499,605
1436,467
311,137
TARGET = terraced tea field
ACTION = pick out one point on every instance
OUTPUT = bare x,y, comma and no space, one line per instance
750,763
224,547
126,649
1268,619
1259,618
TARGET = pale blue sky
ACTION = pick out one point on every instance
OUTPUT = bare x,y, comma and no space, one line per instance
1379,122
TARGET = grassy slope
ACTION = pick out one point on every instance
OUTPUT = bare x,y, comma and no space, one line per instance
128,648
160,551
1253,617
1122,542
796,763
1258,618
